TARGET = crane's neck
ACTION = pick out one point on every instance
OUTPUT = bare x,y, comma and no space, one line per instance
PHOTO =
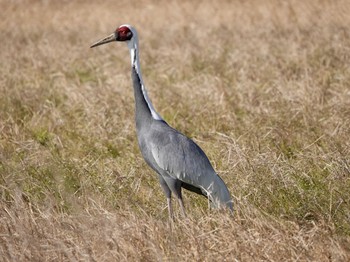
135,64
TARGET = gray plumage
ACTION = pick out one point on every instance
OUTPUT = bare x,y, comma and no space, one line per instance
179,162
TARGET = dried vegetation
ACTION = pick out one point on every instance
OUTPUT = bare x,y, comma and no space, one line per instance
262,86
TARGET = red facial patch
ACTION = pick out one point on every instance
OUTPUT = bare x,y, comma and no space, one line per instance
124,33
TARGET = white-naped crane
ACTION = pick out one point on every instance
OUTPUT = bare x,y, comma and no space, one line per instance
179,162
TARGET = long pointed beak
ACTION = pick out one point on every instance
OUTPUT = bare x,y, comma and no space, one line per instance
105,40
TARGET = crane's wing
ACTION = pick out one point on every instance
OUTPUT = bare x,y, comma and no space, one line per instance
183,159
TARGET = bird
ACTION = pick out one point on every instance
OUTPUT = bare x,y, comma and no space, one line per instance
177,159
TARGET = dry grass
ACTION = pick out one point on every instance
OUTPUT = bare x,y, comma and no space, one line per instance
262,86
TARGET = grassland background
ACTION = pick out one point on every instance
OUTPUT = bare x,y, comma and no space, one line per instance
262,86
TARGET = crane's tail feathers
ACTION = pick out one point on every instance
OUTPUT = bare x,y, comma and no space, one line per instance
219,196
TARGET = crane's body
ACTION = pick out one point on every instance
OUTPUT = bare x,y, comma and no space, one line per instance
178,161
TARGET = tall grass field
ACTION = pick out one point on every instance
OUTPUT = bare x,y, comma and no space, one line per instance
262,86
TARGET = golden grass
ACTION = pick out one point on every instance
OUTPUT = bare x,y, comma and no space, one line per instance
262,86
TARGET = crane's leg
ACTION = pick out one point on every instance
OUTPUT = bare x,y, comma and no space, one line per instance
175,187
167,193
181,202
170,208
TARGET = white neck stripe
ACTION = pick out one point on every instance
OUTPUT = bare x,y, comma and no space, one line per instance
132,45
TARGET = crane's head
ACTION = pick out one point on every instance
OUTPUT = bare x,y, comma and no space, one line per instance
124,33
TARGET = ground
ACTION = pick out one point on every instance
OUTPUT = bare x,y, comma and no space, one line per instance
262,86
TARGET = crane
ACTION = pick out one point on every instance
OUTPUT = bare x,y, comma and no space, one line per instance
178,160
